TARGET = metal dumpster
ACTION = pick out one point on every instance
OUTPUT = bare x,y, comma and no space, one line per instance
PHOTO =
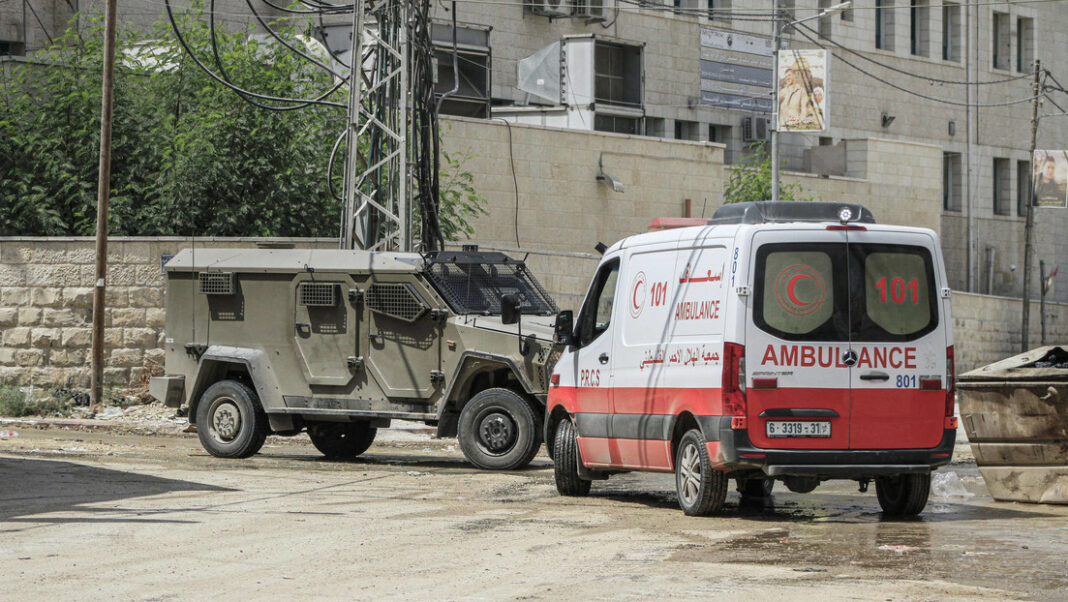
1015,413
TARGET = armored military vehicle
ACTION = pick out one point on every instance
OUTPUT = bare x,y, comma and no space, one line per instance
340,342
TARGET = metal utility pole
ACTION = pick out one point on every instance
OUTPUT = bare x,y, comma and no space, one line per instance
103,189
1042,298
378,182
1029,225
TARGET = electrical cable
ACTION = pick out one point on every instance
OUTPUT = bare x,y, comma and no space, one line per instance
515,179
246,93
38,19
912,92
910,73
283,42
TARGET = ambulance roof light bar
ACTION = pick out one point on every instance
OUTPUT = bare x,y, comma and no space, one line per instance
763,212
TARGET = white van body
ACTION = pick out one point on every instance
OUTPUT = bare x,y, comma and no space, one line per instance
800,348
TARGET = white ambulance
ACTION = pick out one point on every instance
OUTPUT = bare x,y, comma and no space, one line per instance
797,342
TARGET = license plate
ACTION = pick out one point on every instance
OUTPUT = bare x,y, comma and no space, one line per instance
797,428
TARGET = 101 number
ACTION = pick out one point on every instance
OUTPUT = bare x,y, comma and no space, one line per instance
899,290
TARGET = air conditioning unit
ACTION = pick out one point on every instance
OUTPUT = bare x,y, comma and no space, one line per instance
550,8
590,10
754,129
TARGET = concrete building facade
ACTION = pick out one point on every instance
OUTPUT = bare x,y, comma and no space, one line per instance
699,71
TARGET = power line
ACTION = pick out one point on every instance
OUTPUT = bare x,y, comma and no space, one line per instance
913,92
916,75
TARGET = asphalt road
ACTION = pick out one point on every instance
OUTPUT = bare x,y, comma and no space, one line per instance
116,516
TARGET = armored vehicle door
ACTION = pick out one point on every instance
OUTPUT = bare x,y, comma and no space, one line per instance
326,328
403,353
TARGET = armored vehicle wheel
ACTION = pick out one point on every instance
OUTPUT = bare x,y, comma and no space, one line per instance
903,495
230,421
498,430
342,439
759,487
701,488
566,460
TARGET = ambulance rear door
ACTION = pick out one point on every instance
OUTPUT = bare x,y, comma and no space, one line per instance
796,340
899,337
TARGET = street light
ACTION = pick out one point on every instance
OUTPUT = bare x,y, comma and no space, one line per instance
779,27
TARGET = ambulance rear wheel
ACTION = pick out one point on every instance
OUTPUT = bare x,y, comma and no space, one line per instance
230,421
701,488
566,461
903,495
342,439
498,430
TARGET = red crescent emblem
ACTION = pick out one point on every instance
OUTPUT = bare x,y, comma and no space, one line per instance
786,294
790,289
637,295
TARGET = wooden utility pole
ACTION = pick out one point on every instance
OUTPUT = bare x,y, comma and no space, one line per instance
1029,225
103,189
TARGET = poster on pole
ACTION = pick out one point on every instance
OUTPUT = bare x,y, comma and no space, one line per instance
1051,178
801,89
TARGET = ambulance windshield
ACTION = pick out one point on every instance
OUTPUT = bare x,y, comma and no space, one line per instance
802,292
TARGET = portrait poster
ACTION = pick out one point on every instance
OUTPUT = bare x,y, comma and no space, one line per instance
801,85
1050,178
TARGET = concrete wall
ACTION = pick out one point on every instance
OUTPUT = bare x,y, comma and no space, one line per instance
46,307
987,329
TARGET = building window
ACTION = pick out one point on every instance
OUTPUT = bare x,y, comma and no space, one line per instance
619,125
617,74
687,130
920,27
847,14
10,48
824,25
1002,41
951,182
1025,44
1002,187
1023,186
951,32
719,10
472,99
884,24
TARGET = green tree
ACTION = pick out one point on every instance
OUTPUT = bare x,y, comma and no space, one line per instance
190,157
750,180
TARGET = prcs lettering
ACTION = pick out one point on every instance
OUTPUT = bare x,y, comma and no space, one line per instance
826,356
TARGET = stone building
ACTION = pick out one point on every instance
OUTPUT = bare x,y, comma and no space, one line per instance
700,70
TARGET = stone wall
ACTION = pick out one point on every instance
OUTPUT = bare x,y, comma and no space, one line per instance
987,329
46,307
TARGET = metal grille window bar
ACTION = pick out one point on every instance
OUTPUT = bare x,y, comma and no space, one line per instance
318,294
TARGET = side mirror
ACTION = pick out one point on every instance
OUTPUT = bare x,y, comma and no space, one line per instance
564,329
510,309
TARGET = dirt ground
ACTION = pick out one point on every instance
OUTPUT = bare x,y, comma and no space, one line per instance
103,514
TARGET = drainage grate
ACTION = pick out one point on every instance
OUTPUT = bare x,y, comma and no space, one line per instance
216,283
318,294
395,300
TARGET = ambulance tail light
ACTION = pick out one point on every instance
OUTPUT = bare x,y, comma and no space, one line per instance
734,403
951,381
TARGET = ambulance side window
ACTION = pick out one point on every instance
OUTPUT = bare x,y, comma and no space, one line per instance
597,309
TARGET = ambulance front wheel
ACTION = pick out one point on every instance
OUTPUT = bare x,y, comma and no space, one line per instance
566,461
701,488
498,430
903,495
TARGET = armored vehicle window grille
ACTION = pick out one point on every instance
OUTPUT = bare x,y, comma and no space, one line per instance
216,283
318,294
478,287
395,300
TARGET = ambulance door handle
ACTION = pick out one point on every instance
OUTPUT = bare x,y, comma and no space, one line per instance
603,358
875,376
